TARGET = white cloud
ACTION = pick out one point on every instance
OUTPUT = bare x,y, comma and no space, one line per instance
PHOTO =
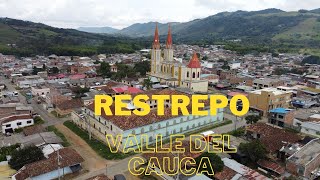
122,13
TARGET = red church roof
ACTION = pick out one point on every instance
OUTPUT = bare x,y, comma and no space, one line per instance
169,39
156,42
194,62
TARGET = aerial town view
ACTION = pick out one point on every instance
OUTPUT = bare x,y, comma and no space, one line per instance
173,90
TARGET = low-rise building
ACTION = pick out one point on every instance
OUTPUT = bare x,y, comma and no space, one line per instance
308,121
40,91
281,117
266,99
10,123
306,161
69,162
266,83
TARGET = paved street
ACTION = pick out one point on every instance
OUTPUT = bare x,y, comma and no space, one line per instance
49,119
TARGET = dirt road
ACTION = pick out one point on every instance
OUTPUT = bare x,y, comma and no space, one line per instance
92,161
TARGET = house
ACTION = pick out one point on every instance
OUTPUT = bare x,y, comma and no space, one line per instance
234,170
38,139
40,91
273,138
308,121
69,162
65,108
281,117
10,123
267,99
266,83
306,161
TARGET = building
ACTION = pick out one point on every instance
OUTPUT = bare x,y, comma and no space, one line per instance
266,83
69,162
150,124
274,138
267,99
10,123
234,170
174,73
306,161
40,91
65,108
308,121
281,117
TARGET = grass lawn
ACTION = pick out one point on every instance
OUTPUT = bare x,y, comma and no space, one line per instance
56,114
58,133
98,146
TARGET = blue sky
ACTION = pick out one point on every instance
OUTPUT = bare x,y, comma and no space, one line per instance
122,13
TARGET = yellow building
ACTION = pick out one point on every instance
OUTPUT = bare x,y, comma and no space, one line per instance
267,99
174,73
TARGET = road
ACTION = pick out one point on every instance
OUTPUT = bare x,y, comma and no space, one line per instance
49,118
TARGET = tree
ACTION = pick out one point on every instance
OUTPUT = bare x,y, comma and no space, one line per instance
54,70
24,156
225,65
215,160
147,83
205,57
142,67
35,70
251,119
254,150
105,69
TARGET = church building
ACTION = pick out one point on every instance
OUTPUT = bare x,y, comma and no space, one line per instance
174,73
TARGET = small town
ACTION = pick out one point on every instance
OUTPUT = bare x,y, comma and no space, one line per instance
47,107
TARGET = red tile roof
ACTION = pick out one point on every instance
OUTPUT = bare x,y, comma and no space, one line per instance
271,166
273,138
69,157
225,174
16,117
194,62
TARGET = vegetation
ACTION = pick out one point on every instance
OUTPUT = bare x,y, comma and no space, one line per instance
58,133
98,146
24,156
280,71
38,120
105,69
251,119
238,132
215,160
142,67
147,83
254,150
79,91
5,151
311,60
225,66
35,38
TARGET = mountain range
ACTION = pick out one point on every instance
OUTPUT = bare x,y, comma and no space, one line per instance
296,29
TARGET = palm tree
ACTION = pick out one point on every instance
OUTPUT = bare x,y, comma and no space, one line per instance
147,83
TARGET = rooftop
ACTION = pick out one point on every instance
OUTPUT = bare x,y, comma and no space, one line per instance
68,156
274,91
307,153
280,110
272,137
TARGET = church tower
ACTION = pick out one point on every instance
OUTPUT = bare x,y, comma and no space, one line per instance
168,51
194,68
156,53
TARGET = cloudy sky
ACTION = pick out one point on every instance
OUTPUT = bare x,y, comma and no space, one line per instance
122,13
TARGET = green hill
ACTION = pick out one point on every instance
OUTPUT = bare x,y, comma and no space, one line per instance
36,38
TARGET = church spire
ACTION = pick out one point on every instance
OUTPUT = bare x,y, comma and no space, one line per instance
156,43
194,62
169,39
